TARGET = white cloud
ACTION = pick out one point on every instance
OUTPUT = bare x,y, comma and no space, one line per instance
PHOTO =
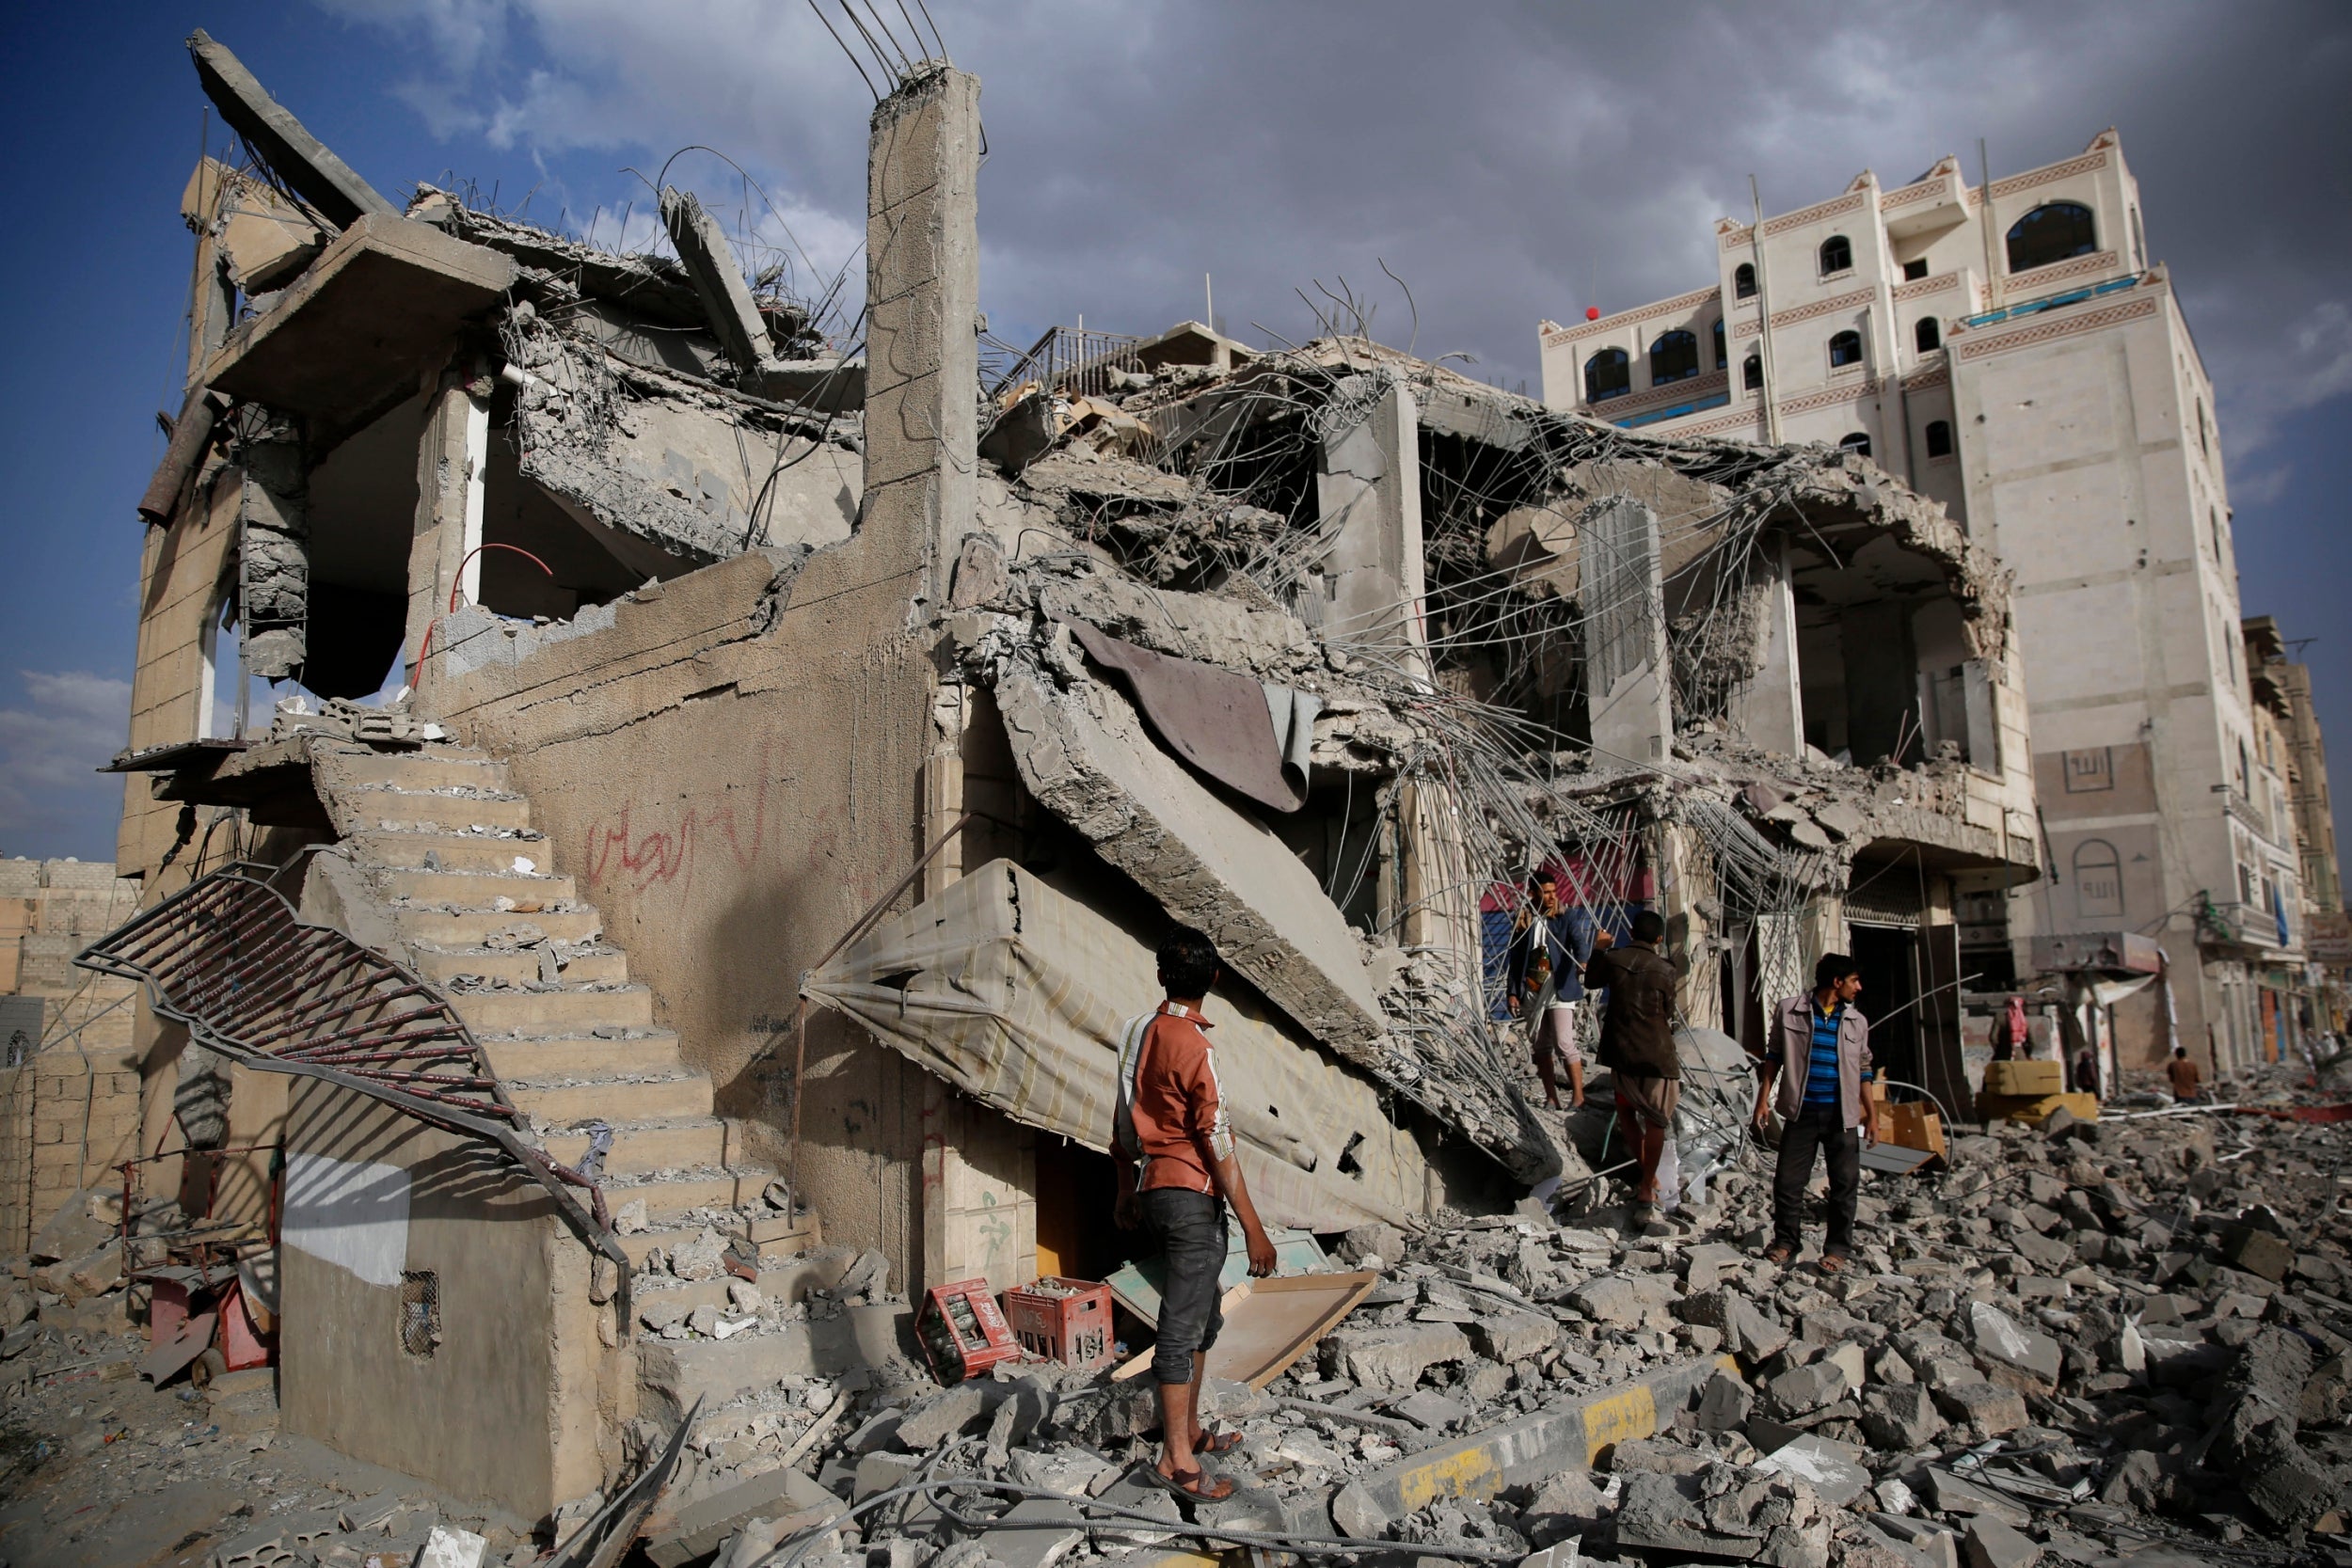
50,749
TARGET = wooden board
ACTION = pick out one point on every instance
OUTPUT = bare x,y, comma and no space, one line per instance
1269,1323
1137,1285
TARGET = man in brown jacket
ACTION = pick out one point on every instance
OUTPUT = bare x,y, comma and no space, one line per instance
1637,1045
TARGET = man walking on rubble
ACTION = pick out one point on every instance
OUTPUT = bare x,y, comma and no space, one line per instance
1637,1046
2186,1085
1544,991
1827,1102
1171,1128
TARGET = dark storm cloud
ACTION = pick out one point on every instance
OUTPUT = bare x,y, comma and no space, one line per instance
1508,163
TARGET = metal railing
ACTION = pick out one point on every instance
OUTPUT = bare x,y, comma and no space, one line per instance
1073,361
228,957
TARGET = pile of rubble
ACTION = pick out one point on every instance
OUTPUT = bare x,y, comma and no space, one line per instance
2126,1343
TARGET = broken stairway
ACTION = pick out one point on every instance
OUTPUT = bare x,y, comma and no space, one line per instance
455,880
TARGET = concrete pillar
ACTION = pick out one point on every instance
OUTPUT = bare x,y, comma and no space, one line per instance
1769,712
923,307
274,547
453,454
1368,492
1629,690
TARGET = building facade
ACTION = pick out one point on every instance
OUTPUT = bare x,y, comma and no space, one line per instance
2301,1005
2013,351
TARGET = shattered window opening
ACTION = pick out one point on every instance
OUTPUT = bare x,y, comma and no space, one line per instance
1674,357
1845,348
1608,375
2053,231
420,1312
1837,255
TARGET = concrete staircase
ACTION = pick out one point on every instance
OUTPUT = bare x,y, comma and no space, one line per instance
464,886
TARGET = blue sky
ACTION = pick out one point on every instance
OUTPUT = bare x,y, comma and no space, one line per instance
1511,162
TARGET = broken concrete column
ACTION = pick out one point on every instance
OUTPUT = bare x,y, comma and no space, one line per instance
274,546
1368,492
1769,711
452,454
1628,682
702,246
923,306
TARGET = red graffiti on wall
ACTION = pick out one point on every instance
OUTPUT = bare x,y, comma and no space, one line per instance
660,845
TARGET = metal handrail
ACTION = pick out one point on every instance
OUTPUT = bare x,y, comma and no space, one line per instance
230,958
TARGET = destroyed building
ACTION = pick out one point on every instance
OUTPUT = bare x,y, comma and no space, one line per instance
801,745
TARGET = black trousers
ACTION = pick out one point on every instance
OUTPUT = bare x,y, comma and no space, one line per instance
1820,1128
1191,1227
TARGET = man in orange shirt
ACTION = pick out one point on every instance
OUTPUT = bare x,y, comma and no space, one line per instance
1172,1130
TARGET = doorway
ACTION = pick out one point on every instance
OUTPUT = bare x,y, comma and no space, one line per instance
1889,960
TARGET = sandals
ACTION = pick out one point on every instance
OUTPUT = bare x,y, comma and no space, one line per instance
1833,1263
1199,1485
1216,1442
1779,1252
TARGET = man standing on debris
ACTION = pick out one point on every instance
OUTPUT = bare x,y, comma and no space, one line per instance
2186,1085
1827,1102
1171,1128
1543,989
1637,1045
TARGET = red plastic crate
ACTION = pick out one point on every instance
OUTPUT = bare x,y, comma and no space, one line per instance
1066,1320
961,1331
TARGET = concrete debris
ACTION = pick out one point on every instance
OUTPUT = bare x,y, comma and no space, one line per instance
751,624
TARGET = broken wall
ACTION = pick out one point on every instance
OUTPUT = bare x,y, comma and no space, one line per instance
182,570
404,1255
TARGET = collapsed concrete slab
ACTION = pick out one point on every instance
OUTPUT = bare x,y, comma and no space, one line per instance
1017,994
1084,753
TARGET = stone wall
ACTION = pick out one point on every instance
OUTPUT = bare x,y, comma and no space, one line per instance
69,1091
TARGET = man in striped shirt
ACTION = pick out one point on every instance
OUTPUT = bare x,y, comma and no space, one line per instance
1171,1128
1820,1054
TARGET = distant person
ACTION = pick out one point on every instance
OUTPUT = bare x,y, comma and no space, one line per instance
1170,1128
2012,1036
2085,1072
1637,1046
2188,1087
1820,1054
1546,954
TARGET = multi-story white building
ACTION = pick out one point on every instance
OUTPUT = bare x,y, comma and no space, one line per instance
2016,353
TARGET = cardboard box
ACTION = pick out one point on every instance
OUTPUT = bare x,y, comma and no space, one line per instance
2025,1078
1913,1124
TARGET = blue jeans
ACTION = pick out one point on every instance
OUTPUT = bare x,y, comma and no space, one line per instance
1190,1229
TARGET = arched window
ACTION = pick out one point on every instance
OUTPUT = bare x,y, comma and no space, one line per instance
1939,434
2098,878
1837,255
1752,372
2051,232
1608,375
1845,349
1856,441
1928,334
1674,357
1744,280
1723,355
